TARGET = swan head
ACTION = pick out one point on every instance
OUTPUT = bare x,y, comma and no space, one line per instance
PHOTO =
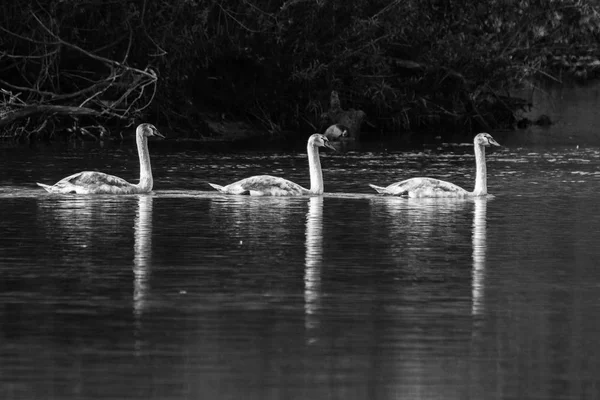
148,130
485,139
337,131
318,140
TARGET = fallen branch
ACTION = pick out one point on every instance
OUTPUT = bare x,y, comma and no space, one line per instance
113,88
29,111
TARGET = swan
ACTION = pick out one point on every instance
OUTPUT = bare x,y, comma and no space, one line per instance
430,187
337,131
92,182
267,185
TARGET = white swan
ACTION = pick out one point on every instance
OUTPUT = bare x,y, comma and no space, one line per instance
92,182
267,185
430,187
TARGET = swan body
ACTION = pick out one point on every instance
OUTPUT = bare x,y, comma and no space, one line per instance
267,185
431,187
92,182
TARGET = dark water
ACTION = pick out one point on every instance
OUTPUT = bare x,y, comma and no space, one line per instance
572,108
188,294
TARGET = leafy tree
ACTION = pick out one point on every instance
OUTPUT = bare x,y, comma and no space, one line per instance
410,64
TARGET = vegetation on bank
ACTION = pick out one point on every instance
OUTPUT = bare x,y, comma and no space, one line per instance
79,67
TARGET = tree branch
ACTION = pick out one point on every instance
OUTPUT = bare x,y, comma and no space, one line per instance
45,109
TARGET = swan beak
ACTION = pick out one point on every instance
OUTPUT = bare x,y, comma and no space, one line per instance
157,133
493,142
330,146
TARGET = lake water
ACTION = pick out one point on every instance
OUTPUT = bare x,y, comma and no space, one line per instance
189,294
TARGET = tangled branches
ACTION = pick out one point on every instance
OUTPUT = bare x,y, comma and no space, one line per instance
50,84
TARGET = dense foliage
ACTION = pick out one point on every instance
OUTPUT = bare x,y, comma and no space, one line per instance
409,64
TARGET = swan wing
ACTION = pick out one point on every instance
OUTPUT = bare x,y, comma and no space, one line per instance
263,185
87,182
425,187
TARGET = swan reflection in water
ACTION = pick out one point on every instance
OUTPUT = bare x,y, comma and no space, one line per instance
245,217
437,247
69,220
419,232
479,253
141,260
81,225
313,261
424,233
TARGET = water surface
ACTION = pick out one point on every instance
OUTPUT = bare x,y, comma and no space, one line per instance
187,293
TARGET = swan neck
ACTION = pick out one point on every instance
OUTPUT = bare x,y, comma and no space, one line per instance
146,181
480,171
314,166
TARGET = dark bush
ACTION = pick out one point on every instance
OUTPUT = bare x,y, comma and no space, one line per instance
409,64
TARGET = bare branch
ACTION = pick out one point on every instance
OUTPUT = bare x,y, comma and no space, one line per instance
230,15
45,109
105,60
26,89
26,38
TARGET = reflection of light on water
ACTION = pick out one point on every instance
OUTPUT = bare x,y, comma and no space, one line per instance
313,260
479,250
73,219
142,259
